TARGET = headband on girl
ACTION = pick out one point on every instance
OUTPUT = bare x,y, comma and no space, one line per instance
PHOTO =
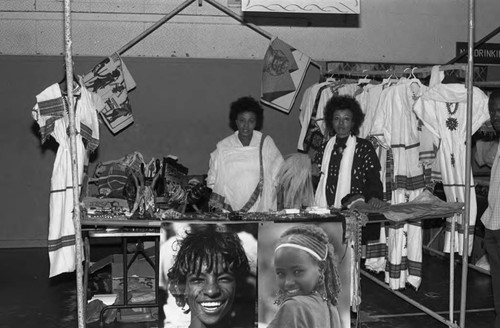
317,248
308,250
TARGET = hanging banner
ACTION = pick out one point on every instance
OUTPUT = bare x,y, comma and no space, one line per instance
111,80
282,75
488,53
302,6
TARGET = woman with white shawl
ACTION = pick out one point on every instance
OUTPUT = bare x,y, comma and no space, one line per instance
349,166
244,166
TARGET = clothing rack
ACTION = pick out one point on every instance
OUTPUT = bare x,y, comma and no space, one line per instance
468,68
396,72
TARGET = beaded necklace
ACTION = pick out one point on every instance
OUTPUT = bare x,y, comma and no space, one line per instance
451,122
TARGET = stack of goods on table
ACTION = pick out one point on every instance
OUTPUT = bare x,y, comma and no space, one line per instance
130,188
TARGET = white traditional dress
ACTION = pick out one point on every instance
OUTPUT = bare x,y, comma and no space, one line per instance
234,172
397,129
443,109
51,114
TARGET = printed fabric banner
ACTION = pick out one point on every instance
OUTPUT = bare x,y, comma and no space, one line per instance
282,75
111,80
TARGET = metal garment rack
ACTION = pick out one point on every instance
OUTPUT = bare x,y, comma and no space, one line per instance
451,309
397,72
72,132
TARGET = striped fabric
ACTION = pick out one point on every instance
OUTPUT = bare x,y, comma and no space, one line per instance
52,107
86,132
56,244
218,201
47,129
258,189
389,172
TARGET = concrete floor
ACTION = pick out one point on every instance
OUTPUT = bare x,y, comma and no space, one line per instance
29,299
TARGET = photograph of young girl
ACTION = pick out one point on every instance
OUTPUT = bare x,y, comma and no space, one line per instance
304,276
209,274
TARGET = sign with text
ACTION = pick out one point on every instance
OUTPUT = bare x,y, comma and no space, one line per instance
302,6
488,53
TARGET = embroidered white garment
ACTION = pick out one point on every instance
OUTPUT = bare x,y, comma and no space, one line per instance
396,127
61,238
344,181
443,109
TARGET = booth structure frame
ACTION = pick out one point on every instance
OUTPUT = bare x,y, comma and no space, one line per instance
81,304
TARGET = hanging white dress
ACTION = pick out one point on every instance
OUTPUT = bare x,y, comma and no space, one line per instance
52,117
443,109
397,128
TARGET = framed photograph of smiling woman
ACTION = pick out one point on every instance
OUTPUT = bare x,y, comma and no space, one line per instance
304,275
208,273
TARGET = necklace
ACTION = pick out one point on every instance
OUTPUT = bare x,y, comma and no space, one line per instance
451,122
448,107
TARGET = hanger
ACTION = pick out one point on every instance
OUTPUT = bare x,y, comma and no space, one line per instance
412,76
392,79
330,78
364,80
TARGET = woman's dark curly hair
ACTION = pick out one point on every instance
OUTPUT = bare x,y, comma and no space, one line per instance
331,282
246,104
210,246
343,103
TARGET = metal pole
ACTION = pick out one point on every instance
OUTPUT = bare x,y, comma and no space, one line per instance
156,25
74,164
469,85
452,268
240,19
409,300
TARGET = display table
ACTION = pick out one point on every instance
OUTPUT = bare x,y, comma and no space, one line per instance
352,222
142,230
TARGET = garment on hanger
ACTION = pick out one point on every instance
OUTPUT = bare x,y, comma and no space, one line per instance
111,80
368,100
50,112
313,129
443,109
397,128
312,132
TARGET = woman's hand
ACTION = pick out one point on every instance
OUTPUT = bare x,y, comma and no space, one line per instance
377,203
